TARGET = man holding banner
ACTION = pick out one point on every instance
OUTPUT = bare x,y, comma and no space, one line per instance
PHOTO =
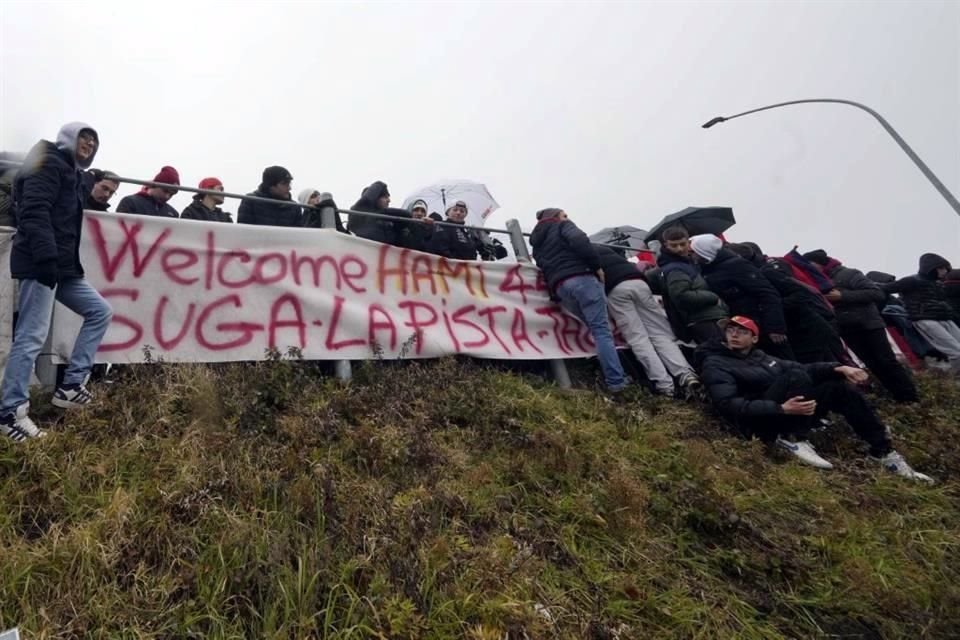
46,260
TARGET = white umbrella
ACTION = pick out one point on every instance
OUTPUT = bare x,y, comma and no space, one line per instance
440,196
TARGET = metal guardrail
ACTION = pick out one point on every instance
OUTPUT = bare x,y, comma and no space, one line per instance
343,368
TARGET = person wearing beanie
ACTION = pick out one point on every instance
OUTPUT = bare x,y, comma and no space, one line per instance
319,200
455,242
855,299
779,401
206,207
376,199
152,201
571,267
925,298
417,236
693,309
745,290
275,184
45,258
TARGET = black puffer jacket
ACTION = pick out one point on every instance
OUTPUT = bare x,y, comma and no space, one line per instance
48,195
285,213
142,204
686,297
746,291
737,382
562,251
454,243
859,298
198,211
616,268
377,229
923,294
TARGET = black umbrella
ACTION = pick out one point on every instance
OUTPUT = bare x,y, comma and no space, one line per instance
625,236
696,220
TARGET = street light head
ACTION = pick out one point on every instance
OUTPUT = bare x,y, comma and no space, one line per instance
714,121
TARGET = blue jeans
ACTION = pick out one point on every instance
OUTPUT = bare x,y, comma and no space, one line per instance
33,325
584,297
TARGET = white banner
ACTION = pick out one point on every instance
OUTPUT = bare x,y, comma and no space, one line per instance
206,292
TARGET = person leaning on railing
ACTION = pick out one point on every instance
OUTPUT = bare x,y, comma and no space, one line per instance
275,184
376,199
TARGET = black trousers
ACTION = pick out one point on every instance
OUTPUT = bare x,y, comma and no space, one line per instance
872,346
832,395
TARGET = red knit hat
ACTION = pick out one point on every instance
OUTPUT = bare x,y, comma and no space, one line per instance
168,175
210,183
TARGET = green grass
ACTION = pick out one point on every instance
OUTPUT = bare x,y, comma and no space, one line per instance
447,500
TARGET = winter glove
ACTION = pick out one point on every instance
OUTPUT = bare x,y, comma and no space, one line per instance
499,251
47,273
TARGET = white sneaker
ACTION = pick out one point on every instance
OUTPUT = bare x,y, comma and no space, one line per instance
19,426
72,398
804,452
895,463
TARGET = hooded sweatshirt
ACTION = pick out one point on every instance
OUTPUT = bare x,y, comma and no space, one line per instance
312,217
49,193
924,295
377,229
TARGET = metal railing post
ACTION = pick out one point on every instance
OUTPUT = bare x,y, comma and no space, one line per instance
342,368
557,366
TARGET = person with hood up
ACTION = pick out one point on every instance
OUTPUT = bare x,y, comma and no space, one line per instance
8,174
152,201
275,184
692,308
926,301
745,290
811,321
206,207
100,186
417,236
46,260
778,400
318,200
645,327
855,299
376,199
571,267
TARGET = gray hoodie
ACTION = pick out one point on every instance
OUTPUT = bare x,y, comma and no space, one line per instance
67,141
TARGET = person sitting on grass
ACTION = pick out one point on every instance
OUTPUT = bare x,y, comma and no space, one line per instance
778,400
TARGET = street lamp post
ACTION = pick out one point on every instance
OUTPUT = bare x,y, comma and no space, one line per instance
949,197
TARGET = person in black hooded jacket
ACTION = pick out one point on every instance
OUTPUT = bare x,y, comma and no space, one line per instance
376,199
778,400
48,195
811,322
274,185
454,242
746,291
571,267
855,298
926,302
417,236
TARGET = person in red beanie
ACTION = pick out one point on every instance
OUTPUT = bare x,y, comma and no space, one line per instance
152,201
206,206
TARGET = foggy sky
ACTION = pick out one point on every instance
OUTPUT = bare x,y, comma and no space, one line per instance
593,107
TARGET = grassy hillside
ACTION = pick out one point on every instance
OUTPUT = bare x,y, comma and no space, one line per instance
445,500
